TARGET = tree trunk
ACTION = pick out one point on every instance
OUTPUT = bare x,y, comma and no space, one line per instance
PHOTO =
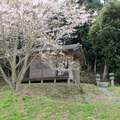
15,86
95,65
105,71
18,87
89,67
101,68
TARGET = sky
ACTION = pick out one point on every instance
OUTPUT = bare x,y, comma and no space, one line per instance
102,1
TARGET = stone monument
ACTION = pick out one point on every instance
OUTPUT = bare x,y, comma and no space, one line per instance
112,78
98,79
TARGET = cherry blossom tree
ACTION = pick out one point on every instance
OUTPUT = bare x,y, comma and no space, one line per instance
25,26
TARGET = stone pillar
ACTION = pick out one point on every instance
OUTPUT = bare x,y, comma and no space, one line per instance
41,81
76,72
98,79
77,76
54,80
29,81
112,78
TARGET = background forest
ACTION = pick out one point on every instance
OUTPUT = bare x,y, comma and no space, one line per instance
100,39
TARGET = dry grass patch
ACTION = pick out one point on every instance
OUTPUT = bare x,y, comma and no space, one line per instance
65,92
83,93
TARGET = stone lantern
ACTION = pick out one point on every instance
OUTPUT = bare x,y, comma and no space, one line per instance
98,79
112,78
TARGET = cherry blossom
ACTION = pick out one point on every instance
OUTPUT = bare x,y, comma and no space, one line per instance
26,26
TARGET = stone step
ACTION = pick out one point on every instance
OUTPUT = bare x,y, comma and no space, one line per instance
114,103
114,100
107,92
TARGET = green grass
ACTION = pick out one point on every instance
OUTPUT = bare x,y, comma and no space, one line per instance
24,106
14,107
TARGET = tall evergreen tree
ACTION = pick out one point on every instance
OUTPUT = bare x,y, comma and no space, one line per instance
105,36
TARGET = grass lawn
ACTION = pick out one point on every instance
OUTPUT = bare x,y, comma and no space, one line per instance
26,106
